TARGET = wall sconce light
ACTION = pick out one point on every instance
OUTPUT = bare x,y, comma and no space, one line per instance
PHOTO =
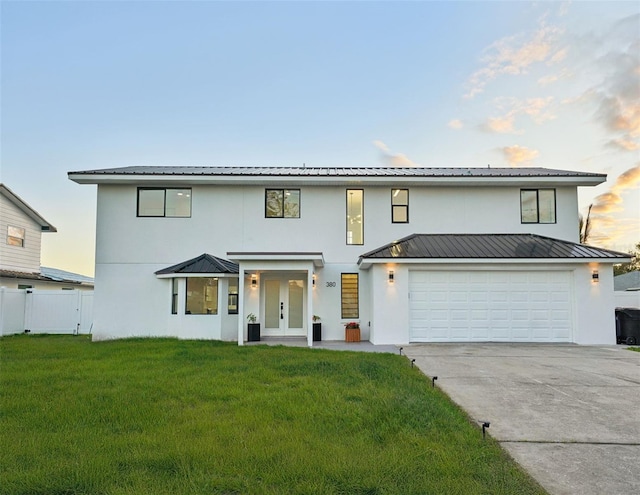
254,281
595,278
313,282
391,276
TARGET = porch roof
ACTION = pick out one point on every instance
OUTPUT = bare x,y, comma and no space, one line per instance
316,257
200,265
487,247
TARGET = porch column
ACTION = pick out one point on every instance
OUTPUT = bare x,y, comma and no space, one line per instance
310,306
241,307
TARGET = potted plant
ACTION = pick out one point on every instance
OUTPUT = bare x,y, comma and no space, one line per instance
317,329
254,328
352,332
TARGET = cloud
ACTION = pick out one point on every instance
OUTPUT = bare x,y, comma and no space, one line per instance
516,155
546,80
513,55
628,179
393,160
605,227
559,56
615,95
624,144
501,125
455,124
535,108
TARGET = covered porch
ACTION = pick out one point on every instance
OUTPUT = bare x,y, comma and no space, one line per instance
277,289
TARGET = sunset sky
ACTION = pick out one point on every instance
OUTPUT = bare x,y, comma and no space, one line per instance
89,85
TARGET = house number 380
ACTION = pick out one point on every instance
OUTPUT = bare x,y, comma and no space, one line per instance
331,284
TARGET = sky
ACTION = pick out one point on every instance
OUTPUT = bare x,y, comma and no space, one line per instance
88,85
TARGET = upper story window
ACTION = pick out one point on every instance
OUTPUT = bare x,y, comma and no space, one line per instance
538,205
400,205
355,216
164,202
15,236
282,203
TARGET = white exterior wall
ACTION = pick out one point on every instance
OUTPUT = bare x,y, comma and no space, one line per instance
595,306
22,259
131,300
231,218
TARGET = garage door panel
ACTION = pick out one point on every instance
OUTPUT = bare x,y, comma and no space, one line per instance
490,306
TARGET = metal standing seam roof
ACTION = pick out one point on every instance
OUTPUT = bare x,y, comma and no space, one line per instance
44,276
336,172
205,263
63,275
488,246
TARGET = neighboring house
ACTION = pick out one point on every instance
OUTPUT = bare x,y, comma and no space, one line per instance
627,290
411,254
22,228
627,281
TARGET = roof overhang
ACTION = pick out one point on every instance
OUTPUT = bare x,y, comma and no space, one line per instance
366,263
204,265
26,209
331,176
316,258
196,275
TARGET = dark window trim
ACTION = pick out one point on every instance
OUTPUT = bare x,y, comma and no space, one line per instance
346,217
232,297
537,191
174,296
283,199
342,316
393,220
164,201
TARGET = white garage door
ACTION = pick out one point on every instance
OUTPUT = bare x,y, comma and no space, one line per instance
490,306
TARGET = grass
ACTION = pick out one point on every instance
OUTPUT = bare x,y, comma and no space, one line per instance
634,349
164,416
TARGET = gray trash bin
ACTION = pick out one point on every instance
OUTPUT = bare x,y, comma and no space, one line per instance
627,326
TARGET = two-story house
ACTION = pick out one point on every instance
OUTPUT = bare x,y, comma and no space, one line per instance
411,254
22,228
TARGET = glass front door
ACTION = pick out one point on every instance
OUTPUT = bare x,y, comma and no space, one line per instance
284,307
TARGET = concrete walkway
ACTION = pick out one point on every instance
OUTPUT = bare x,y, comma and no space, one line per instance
335,345
570,415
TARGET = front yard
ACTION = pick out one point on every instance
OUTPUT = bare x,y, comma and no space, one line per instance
164,416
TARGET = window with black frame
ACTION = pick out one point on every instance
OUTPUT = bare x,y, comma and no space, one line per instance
538,206
400,205
282,203
164,202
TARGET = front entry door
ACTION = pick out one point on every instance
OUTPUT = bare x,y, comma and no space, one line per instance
284,308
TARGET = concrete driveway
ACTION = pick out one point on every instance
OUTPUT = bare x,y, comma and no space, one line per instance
570,415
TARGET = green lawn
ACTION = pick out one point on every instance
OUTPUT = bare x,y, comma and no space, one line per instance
163,416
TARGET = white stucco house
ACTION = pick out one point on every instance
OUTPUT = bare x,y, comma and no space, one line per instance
411,254
20,249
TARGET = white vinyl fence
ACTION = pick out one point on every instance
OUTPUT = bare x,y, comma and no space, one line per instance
45,311
627,299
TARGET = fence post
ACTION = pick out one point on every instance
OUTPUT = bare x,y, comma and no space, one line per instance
28,309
